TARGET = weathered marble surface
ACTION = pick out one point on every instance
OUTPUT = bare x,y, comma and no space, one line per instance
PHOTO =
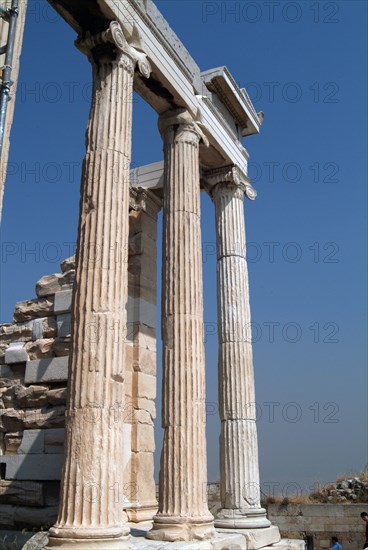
239,473
183,510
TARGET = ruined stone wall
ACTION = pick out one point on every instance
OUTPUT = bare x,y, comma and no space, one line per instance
320,522
33,389
33,380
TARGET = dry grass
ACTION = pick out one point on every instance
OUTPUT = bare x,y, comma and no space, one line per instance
322,496
362,475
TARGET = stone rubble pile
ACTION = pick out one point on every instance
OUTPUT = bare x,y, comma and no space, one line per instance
34,353
354,490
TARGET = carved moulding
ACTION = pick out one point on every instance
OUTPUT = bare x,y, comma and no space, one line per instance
143,199
232,175
114,35
183,120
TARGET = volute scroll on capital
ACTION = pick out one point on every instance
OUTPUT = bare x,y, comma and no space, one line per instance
182,127
230,179
114,35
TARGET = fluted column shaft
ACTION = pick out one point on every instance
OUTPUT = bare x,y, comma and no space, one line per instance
240,491
92,492
183,511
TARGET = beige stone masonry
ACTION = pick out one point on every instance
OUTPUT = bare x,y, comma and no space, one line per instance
141,360
49,284
43,398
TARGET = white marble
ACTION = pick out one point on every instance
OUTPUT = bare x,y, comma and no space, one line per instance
239,469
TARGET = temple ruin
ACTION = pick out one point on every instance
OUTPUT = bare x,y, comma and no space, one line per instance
91,329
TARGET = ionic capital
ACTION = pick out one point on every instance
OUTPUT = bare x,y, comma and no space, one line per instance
229,179
178,125
114,38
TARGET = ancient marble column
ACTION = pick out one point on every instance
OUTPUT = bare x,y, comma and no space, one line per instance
183,511
92,489
239,471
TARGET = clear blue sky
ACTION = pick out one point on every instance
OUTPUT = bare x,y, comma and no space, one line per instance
304,64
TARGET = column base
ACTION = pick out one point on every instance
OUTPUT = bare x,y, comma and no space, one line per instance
137,514
83,539
179,528
257,538
229,518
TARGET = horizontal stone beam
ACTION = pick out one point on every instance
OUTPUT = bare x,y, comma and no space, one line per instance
46,370
237,100
11,516
36,467
178,79
21,492
150,176
55,304
49,441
